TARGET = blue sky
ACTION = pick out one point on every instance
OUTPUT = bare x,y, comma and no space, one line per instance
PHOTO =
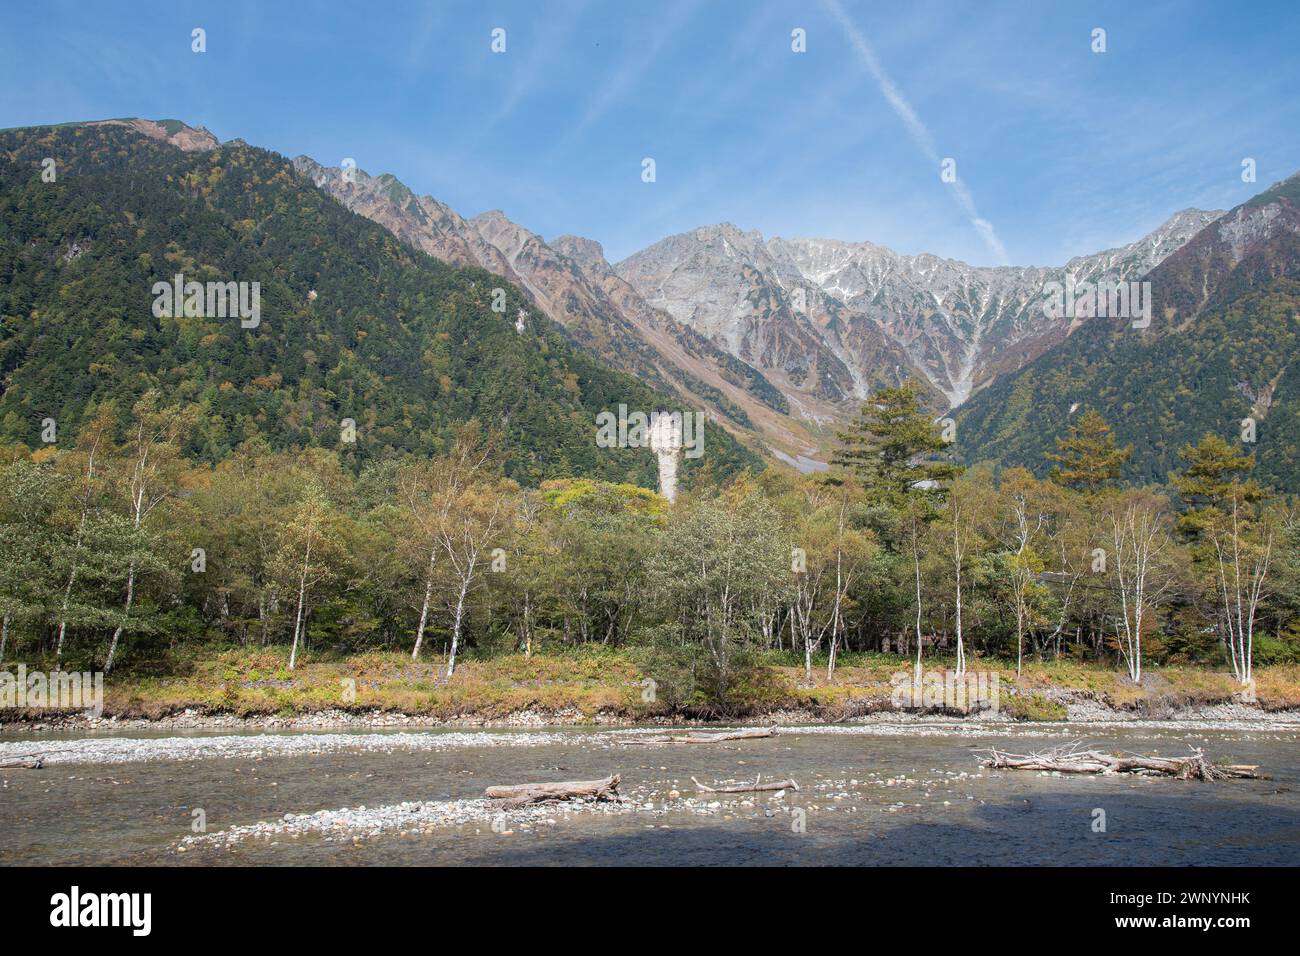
1059,150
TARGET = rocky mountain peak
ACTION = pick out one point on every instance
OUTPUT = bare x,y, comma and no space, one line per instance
805,328
492,219
587,253
190,139
419,221
958,326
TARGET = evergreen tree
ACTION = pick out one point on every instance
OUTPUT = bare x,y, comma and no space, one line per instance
1216,476
1087,459
890,448
1231,548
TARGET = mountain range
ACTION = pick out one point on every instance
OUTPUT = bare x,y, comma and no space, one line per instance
1218,356
355,324
863,305
780,340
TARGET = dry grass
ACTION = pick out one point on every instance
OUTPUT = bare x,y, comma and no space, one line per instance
585,683
260,683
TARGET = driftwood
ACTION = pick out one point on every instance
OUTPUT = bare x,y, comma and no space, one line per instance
25,761
695,738
1071,759
749,787
37,764
519,795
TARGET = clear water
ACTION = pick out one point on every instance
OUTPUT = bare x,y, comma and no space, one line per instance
136,813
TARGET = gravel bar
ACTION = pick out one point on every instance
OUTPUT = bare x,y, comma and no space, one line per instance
114,750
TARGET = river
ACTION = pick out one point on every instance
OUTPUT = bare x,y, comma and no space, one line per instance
874,795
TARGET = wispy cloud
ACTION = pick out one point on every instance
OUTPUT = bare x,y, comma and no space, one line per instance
549,45
915,127
422,36
614,87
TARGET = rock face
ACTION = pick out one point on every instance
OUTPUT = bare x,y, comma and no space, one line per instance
838,317
188,138
570,282
666,443
419,221
751,300
492,242
1219,348
778,340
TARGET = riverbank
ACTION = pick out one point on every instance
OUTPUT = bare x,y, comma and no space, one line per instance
240,690
118,748
908,792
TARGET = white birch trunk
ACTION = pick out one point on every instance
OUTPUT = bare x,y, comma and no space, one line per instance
302,595
117,632
458,617
916,561
424,609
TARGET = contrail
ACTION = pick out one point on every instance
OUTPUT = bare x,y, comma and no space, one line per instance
915,127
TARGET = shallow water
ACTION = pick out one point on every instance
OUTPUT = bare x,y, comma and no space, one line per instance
139,812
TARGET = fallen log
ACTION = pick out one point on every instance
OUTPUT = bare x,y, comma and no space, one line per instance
26,763
753,733
754,787
522,794
1073,760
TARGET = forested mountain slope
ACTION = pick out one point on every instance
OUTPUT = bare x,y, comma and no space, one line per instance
1221,348
569,280
354,324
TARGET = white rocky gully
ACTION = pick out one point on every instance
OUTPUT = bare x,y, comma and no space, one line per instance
57,690
666,433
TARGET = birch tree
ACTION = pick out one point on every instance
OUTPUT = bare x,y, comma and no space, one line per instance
1224,527
529,556
1243,554
958,534
473,525
1022,520
430,491
810,565
1068,554
308,555
1136,525
153,466
854,551
93,443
